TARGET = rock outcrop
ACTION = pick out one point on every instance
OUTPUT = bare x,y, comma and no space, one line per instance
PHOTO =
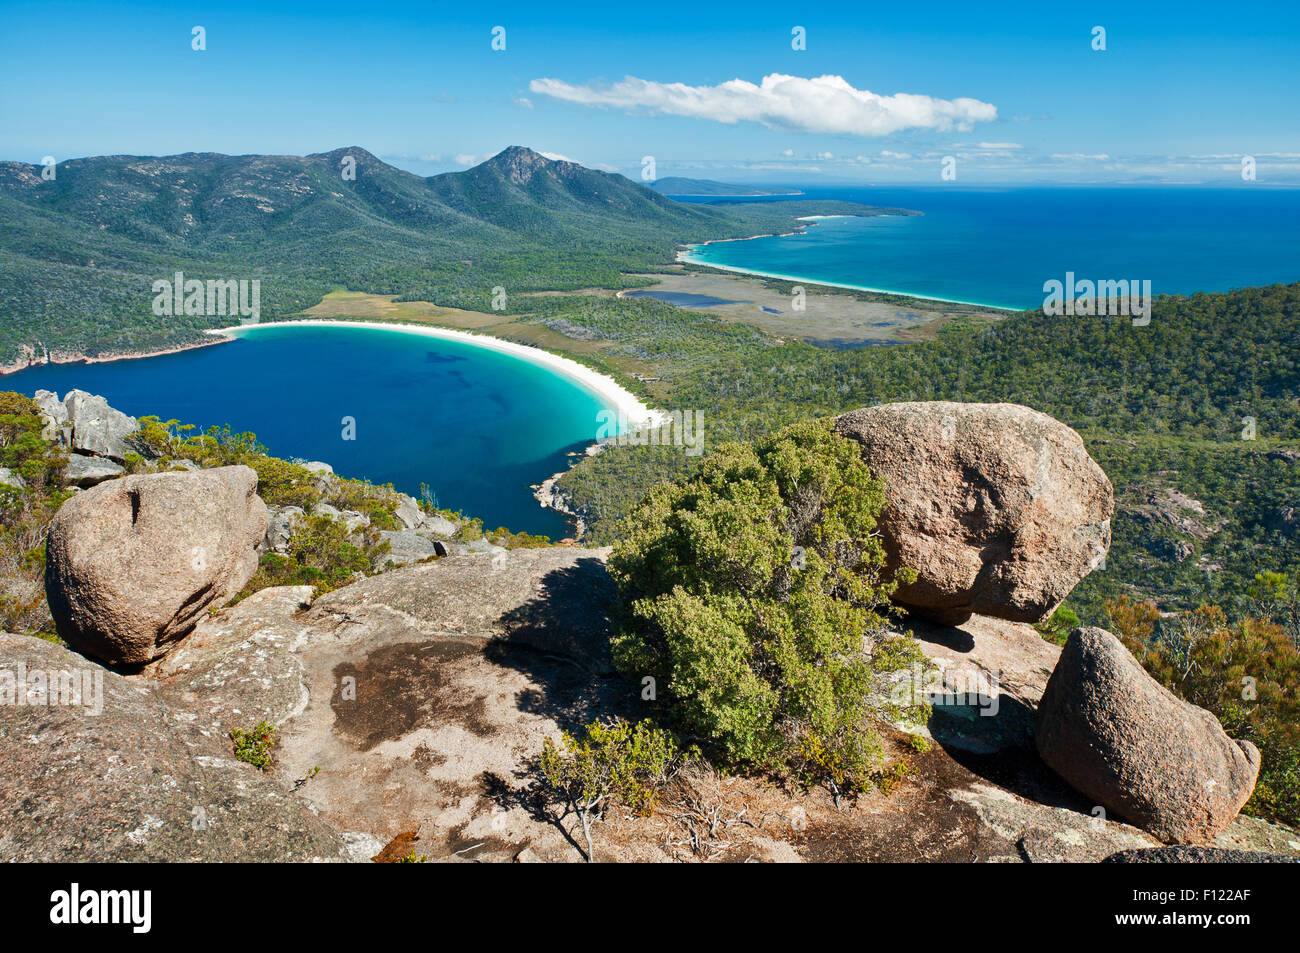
423,695
414,689
121,773
132,564
97,436
999,508
281,523
85,472
96,428
1118,736
404,547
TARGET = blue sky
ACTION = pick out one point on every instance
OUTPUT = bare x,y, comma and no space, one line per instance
1013,92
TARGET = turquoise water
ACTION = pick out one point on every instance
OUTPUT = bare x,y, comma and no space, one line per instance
998,246
479,427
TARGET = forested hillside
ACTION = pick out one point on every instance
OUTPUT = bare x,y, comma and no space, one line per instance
1195,418
79,252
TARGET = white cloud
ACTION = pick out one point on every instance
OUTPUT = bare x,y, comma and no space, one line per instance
469,159
1000,146
824,104
1079,156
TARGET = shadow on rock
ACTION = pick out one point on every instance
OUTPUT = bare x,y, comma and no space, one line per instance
560,640
999,749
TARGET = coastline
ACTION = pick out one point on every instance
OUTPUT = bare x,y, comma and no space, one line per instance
627,404
57,358
684,257
629,407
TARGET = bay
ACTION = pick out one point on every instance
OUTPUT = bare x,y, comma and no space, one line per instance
478,426
997,246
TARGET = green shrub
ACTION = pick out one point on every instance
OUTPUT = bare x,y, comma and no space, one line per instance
1057,629
321,555
255,745
25,513
613,763
753,593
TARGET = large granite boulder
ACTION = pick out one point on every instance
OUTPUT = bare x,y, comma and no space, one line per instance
96,427
999,508
117,771
1118,736
132,564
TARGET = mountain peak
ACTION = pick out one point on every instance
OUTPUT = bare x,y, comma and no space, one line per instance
355,152
518,163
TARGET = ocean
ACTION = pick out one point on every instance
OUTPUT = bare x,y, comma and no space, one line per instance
478,426
997,246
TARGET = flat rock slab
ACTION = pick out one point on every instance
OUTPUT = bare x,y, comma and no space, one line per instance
984,653
1187,854
432,687
421,694
134,781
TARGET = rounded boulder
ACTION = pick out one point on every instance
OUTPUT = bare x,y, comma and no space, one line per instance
998,508
134,563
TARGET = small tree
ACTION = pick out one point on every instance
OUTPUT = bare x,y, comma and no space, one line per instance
1057,629
753,593
1275,596
1133,622
615,762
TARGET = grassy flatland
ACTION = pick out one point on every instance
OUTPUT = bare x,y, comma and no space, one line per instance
361,306
830,317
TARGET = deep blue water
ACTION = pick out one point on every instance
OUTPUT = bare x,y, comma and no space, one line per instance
479,427
997,246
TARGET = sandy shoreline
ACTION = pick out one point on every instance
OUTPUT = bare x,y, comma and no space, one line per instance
627,404
684,257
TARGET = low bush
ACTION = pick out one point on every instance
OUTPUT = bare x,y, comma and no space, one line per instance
754,596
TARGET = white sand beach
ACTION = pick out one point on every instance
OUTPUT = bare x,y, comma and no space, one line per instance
627,404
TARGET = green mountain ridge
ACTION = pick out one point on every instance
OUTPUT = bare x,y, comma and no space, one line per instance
79,253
